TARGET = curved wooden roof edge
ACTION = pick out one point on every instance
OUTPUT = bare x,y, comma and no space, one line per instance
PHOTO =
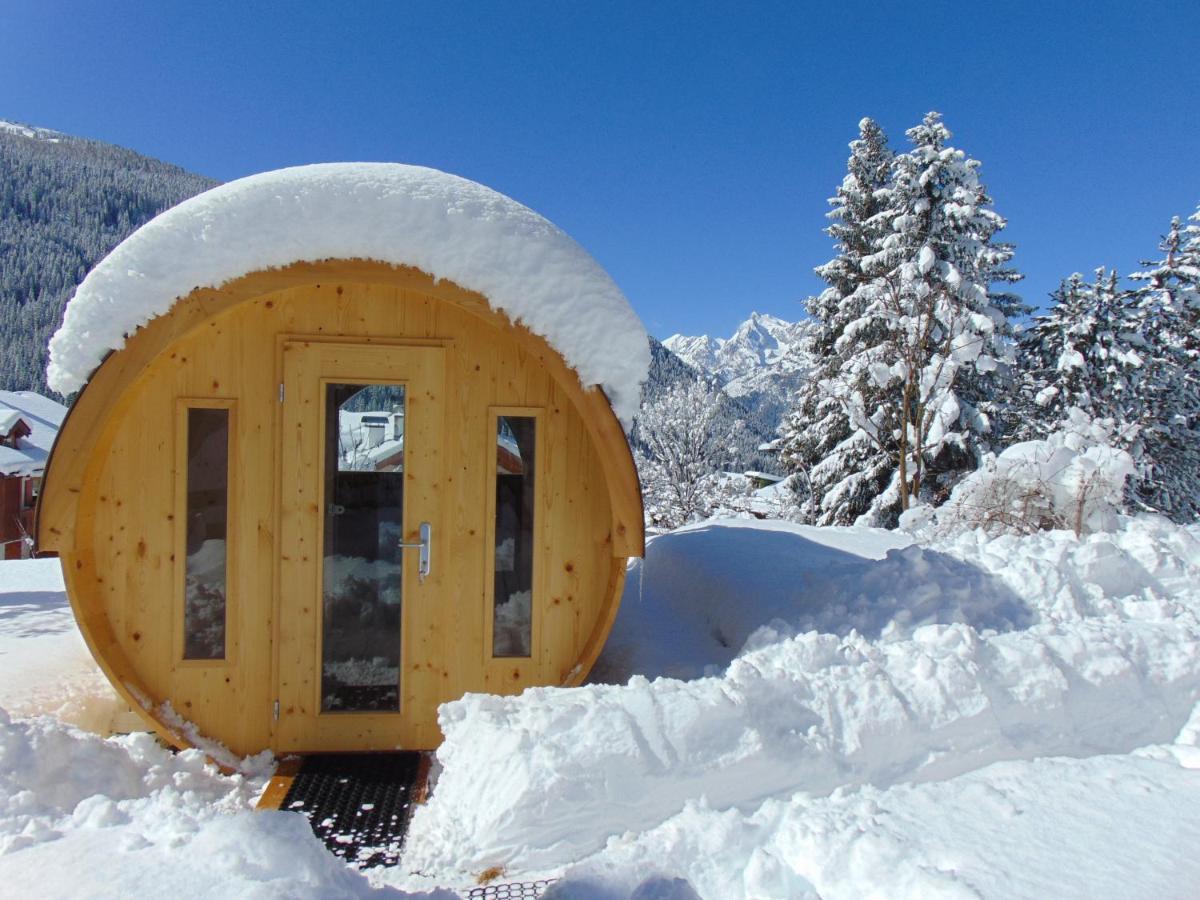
81,431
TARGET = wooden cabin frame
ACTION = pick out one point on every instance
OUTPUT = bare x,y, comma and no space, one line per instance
111,503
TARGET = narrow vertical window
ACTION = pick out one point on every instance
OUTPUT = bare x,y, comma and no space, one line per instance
205,569
512,622
363,560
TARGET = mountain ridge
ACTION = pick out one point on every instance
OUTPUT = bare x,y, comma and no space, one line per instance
65,202
762,363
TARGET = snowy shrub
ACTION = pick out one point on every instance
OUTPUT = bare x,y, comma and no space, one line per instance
1073,479
681,438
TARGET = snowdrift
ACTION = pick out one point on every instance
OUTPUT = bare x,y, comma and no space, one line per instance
976,716
1104,658
82,816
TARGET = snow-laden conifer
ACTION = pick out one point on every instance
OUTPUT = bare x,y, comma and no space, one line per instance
858,223
845,470
1083,354
1165,310
933,340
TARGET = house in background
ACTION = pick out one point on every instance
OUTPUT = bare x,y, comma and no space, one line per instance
29,424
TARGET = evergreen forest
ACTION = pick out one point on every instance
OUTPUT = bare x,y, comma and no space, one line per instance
65,202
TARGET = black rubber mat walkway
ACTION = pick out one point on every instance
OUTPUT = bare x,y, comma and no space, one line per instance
527,890
359,804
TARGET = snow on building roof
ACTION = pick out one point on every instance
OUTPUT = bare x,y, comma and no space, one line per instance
8,419
446,226
43,416
763,476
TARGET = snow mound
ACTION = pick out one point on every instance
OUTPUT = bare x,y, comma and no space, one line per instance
982,834
444,225
1105,660
123,817
709,591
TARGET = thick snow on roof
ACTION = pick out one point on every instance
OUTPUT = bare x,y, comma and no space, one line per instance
43,416
447,226
8,420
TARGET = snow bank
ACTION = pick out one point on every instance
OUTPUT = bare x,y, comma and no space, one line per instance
82,816
45,666
447,226
1109,663
708,591
1126,824
1013,716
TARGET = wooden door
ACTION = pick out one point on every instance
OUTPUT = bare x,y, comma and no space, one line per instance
360,467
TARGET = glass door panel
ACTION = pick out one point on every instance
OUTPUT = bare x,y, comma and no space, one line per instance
512,622
363,530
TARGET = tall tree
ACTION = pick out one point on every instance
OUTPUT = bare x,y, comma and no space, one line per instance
941,335
1166,313
844,469
858,223
1084,354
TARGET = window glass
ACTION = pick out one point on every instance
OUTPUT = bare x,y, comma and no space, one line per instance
512,623
205,570
364,526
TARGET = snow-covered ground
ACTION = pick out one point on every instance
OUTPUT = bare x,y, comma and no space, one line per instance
45,667
791,712
81,816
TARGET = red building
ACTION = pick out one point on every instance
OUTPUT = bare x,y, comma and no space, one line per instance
29,424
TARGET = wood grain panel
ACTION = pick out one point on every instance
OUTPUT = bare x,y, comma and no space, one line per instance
110,506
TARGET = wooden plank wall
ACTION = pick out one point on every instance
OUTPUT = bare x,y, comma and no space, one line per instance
128,505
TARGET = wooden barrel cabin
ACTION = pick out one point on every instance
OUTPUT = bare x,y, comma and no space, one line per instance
348,443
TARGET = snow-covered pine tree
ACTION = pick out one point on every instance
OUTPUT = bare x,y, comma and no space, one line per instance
844,469
1049,356
1166,312
858,223
1082,354
946,336
1189,266
681,437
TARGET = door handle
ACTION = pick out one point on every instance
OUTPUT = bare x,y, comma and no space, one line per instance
423,548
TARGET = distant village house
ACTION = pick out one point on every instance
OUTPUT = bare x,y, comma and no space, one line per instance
29,423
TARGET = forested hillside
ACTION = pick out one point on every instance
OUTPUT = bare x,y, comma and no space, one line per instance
65,202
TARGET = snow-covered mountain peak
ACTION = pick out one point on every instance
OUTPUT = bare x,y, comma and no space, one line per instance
761,361
762,341
700,352
766,336
37,134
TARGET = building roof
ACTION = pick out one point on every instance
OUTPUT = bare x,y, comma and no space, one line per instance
43,416
446,226
764,476
8,421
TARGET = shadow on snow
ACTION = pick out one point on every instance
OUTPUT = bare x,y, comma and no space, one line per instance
705,594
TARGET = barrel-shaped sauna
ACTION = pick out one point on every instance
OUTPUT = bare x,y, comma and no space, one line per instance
348,444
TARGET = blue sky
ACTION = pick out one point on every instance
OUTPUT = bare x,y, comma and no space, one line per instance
689,146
